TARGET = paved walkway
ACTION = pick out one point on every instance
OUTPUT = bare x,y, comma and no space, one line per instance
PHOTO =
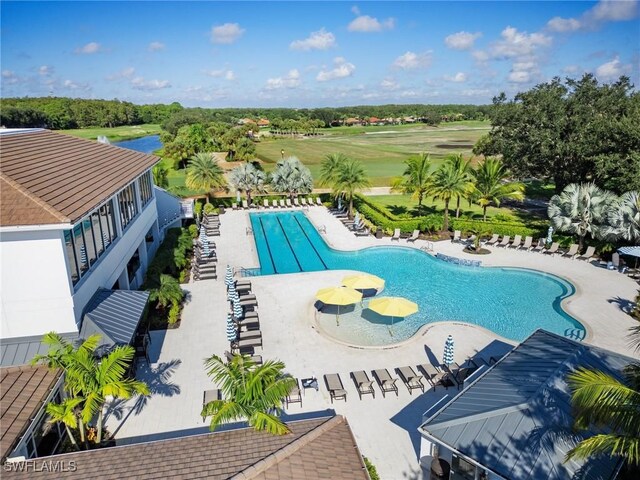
385,428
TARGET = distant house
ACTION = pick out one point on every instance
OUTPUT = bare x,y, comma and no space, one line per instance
263,122
511,421
353,121
244,121
375,121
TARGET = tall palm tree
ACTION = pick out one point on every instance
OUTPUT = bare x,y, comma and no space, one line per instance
603,401
168,292
248,179
464,167
448,182
416,179
350,178
624,216
581,209
250,392
66,413
292,177
329,168
160,176
491,185
204,173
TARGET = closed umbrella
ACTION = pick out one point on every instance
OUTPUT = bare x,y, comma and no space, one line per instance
550,235
338,296
232,292
231,329
393,307
205,248
228,276
339,203
237,308
238,198
447,358
356,219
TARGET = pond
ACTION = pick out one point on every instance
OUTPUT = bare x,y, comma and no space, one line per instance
148,144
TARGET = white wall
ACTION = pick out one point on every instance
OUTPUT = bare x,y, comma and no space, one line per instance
35,290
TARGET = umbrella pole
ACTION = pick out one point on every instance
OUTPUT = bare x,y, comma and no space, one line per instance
338,317
391,331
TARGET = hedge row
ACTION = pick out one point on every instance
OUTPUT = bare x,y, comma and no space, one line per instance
172,258
382,218
535,230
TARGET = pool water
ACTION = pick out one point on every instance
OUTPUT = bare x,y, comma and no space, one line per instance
508,301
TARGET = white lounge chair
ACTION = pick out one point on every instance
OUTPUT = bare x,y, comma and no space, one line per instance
234,206
553,249
310,201
282,205
266,204
414,236
456,236
295,202
572,252
318,201
493,239
517,240
245,205
540,246
527,243
274,204
288,202
303,201
396,234
504,242
588,254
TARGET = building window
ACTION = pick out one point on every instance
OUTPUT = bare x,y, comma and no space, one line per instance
146,188
128,205
461,469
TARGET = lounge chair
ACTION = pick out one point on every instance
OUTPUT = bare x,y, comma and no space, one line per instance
245,205
385,382
295,202
249,325
517,240
414,236
295,395
310,201
410,378
210,396
247,342
335,387
504,242
234,206
362,233
363,384
493,239
436,377
456,236
266,203
318,201
274,204
540,246
248,296
243,281
553,249
527,243
249,303
288,203
246,353
572,252
396,234
303,201
282,205
249,334
588,254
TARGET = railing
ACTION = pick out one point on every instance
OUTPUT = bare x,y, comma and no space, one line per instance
322,229
459,261
249,231
428,247
249,272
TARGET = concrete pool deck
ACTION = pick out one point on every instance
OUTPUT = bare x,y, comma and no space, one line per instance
385,428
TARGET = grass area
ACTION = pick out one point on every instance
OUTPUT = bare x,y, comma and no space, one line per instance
115,134
382,149
539,190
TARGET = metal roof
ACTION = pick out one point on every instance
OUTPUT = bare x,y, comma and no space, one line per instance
633,251
515,419
113,314
20,350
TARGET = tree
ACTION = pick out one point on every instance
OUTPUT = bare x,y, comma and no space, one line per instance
449,181
249,392
416,179
160,176
464,168
350,178
67,414
329,168
248,179
168,292
189,141
624,216
603,401
91,378
292,177
581,209
491,185
204,173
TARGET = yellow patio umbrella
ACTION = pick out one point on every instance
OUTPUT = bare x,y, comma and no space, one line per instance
363,281
393,307
338,296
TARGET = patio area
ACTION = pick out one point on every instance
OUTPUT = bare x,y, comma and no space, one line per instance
385,428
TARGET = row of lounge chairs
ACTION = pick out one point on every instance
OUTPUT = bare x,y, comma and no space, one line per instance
204,265
414,236
248,325
282,203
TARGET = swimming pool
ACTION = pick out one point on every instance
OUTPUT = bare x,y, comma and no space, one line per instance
508,301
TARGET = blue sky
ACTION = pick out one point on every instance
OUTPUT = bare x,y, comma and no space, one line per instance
307,54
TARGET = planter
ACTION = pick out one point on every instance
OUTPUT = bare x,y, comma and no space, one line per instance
379,233
481,251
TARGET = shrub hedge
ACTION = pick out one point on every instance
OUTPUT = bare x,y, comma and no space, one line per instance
533,229
383,218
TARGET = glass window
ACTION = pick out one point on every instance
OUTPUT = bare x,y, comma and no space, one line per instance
128,206
71,257
87,230
98,237
146,189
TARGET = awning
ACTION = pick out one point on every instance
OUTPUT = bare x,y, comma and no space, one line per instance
632,251
114,315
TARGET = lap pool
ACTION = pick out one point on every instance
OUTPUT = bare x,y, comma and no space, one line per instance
508,301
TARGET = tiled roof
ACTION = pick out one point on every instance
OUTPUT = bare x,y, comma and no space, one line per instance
318,448
49,178
512,418
23,390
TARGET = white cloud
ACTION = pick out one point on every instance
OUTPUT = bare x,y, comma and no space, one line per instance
459,77
290,80
139,83
71,85
89,48
226,33
561,25
223,73
604,11
45,70
412,61
475,92
612,70
122,74
365,23
9,77
342,69
355,10
480,55
389,84
462,40
570,69
320,40
514,43
519,76
409,94
156,46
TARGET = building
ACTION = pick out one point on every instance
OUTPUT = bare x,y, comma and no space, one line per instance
514,420
77,219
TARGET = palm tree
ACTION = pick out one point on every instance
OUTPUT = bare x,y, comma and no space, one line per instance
250,392
329,168
448,182
291,177
160,176
66,413
350,178
464,167
491,186
603,401
204,173
416,179
248,178
168,292
624,216
581,209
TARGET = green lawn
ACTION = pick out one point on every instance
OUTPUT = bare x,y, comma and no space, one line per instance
115,134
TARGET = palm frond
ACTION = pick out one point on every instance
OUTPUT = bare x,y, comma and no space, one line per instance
608,444
270,423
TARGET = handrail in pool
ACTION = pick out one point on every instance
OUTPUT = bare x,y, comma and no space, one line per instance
286,237
310,243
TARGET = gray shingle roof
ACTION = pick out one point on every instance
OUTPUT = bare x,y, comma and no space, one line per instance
20,350
113,314
513,418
